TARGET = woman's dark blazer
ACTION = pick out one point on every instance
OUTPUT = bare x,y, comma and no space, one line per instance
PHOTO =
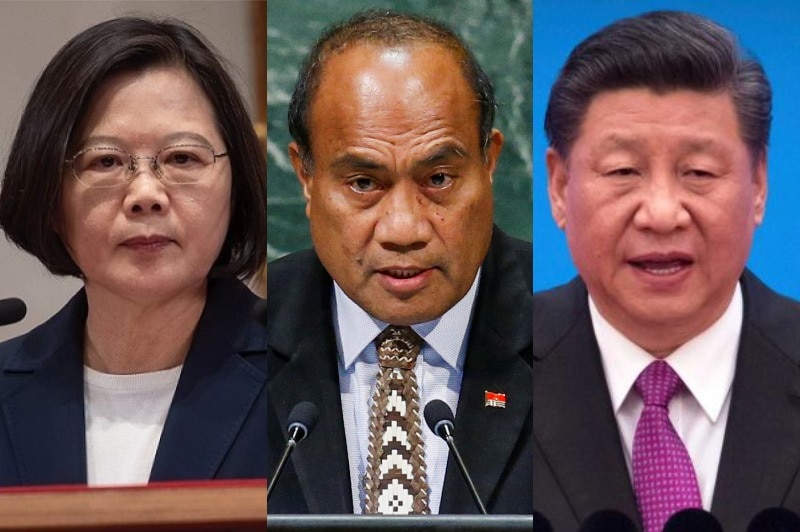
216,425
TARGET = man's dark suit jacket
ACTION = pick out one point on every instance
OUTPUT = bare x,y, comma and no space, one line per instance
579,466
495,443
216,425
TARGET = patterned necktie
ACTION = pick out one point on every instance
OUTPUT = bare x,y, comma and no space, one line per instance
663,475
395,480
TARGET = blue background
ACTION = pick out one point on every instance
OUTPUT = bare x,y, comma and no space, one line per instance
771,32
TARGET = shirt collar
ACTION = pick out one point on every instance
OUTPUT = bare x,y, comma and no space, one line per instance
712,352
447,335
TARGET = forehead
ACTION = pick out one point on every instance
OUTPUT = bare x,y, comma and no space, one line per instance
400,88
157,99
637,117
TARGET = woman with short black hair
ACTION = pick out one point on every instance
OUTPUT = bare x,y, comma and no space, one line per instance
135,168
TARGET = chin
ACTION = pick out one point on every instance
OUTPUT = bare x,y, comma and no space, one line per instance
150,287
667,314
405,315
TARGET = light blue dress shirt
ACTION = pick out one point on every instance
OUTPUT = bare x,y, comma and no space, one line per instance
439,370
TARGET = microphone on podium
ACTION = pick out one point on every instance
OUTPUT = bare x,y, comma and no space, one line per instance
440,419
692,520
775,520
302,420
608,521
541,523
12,310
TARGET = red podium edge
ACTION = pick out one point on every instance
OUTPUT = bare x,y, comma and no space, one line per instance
229,505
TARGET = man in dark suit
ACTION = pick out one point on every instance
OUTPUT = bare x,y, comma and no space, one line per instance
658,128
395,151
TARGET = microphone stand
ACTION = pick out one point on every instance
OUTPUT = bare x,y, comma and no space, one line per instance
474,492
290,445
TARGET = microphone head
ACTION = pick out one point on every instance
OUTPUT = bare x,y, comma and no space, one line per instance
438,416
606,520
774,520
304,418
12,310
541,523
691,520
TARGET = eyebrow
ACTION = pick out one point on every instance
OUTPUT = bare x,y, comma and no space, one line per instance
704,146
616,141
692,145
441,154
351,160
172,138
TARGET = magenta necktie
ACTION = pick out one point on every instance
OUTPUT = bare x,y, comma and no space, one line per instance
663,475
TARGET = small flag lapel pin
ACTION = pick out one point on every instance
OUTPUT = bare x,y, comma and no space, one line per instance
497,400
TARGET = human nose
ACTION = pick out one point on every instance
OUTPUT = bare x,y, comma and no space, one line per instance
403,220
662,206
145,189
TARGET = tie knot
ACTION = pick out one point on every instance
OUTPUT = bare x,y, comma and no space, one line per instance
398,347
657,384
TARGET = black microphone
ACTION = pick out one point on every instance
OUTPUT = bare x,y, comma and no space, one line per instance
692,520
541,523
302,421
259,312
775,520
440,418
608,521
12,310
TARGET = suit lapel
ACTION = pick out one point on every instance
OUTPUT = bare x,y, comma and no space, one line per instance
487,436
321,461
497,360
216,390
761,453
305,338
574,424
44,416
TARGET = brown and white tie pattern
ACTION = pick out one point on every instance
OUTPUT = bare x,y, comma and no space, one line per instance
395,481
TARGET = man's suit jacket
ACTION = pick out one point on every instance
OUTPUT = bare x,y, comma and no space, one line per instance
579,466
495,443
216,425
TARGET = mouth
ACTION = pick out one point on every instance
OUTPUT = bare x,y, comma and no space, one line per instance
401,273
149,242
662,265
404,281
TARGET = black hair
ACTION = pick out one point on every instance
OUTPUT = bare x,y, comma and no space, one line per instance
660,50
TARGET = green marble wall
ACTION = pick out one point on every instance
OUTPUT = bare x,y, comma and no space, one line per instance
497,31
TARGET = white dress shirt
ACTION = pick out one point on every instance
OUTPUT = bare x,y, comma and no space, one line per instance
439,369
699,413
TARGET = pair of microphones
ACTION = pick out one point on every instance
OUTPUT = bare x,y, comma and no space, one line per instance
438,415
694,520
689,520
